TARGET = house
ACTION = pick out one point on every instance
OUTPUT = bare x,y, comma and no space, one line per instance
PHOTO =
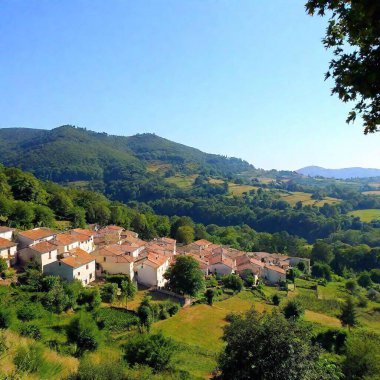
167,245
74,265
8,251
35,236
221,264
6,233
85,237
150,269
274,274
115,259
43,253
66,242
203,263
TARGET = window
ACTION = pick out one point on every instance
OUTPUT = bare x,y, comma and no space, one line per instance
105,259
49,255
87,266
78,273
90,276
59,263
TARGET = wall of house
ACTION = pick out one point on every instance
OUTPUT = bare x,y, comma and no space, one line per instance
273,276
9,254
115,268
293,261
220,269
87,246
27,255
6,235
26,242
146,275
85,273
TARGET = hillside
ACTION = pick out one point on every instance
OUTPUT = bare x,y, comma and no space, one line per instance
344,173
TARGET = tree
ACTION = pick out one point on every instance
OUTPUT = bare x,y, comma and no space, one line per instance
3,265
320,270
128,289
254,339
185,234
108,292
210,294
276,299
232,281
351,285
153,350
56,300
293,310
375,275
145,314
82,331
353,34
6,318
185,277
348,315
364,280
321,252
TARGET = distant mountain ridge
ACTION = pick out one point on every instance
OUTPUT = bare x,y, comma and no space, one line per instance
344,173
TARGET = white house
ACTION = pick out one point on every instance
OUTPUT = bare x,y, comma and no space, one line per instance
35,236
85,238
149,270
274,274
74,265
8,251
221,264
65,242
43,253
6,233
114,259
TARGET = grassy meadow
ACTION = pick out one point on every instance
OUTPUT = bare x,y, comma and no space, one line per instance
367,215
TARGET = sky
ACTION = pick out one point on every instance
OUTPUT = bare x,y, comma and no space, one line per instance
239,78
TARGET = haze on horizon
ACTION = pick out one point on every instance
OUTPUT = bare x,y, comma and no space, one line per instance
242,80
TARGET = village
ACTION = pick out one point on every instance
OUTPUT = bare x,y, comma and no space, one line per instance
88,254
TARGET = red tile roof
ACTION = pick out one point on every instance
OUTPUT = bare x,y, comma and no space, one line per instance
4,243
37,233
77,257
44,247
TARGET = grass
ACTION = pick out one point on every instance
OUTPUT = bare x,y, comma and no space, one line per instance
156,166
298,196
238,190
366,215
372,192
182,181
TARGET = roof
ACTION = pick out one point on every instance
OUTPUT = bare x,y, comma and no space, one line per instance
43,247
202,242
219,258
4,243
37,233
77,258
82,231
155,260
65,239
275,268
5,229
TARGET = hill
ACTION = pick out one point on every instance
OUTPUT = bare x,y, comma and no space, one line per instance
344,173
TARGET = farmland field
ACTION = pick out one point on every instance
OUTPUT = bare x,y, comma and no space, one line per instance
305,198
372,192
367,215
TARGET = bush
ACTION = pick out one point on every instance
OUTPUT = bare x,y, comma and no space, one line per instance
29,312
116,320
364,280
90,298
232,281
210,294
84,332
293,310
351,285
108,292
172,308
375,275
276,299
154,350
28,359
3,265
30,330
373,295
6,317
105,370
362,301
332,340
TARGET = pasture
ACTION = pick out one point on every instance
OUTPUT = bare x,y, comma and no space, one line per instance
366,215
293,197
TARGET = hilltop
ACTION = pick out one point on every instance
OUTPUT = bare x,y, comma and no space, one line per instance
344,173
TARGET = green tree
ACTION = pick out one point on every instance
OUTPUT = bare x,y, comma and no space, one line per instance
276,299
82,331
254,339
153,350
108,292
210,294
3,265
185,234
351,285
353,34
364,280
128,289
145,314
233,281
321,252
293,310
185,277
348,315
6,318
56,300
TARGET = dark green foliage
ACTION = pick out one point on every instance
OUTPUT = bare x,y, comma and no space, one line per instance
293,310
108,292
3,265
90,298
353,34
6,318
253,340
29,311
210,294
276,299
30,330
364,280
332,340
145,313
117,320
348,315
321,252
105,370
375,275
56,300
153,350
320,270
185,234
233,281
128,289
351,285
362,355
83,331
185,277
32,278
301,266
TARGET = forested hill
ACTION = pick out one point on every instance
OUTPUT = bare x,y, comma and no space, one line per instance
68,153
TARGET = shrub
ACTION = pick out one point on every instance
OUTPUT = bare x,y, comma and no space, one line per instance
28,359
332,340
373,295
56,300
172,308
28,312
3,265
375,275
108,292
116,320
293,310
30,330
3,344
232,281
321,270
90,298
351,285
105,370
154,350
6,317
362,301
364,280
210,294
276,299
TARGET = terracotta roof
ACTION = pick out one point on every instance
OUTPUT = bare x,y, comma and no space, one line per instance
275,268
82,231
248,266
65,239
37,233
257,262
43,247
219,258
155,260
77,258
4,243
202,242
5,229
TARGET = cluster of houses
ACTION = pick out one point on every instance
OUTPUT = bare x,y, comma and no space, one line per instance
86,254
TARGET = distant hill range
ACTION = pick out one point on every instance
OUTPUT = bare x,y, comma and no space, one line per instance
344,173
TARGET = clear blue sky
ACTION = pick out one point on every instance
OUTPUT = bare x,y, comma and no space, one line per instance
241,78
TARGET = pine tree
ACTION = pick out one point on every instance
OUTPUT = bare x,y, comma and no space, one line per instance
348,316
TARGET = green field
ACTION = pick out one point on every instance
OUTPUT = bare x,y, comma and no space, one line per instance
305,198
367,215
372,192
